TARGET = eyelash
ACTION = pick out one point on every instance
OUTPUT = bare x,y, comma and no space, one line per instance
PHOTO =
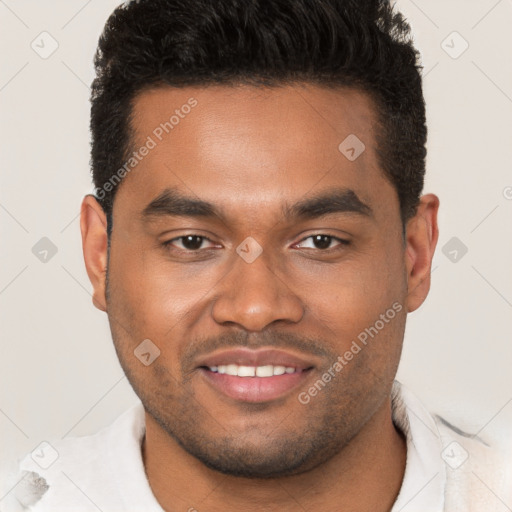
342,242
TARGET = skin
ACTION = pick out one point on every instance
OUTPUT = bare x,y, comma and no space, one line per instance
251,151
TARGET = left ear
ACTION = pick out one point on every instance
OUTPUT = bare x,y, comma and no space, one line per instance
421,239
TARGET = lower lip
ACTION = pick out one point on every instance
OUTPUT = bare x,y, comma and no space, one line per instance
255,389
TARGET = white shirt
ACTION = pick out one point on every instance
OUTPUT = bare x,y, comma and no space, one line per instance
446,470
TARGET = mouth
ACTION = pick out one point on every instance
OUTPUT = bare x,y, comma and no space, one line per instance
265,371
255,376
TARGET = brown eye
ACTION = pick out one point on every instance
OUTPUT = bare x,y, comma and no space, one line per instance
321,242
187,242
192,242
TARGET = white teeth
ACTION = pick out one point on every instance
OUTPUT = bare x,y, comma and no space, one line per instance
279,370
232,369
252,371
265,371
246,371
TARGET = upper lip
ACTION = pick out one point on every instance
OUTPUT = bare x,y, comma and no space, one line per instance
261,357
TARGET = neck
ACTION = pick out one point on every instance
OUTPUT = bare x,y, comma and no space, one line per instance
365,475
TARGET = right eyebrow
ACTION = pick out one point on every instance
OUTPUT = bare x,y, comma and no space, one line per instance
173,203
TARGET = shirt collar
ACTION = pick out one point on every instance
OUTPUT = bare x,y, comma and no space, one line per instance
425,476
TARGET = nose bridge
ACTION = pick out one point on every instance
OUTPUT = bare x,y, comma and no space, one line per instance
252,295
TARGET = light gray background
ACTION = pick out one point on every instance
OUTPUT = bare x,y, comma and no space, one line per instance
58,372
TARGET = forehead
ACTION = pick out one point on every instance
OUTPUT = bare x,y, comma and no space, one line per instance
310,114
245,143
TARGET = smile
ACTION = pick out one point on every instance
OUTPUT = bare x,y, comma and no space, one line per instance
253,371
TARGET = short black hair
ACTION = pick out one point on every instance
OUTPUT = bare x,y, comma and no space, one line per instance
364,44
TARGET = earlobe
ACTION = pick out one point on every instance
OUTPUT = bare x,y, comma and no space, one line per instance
93,225
421,238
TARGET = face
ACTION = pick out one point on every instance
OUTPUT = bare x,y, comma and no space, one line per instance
266,263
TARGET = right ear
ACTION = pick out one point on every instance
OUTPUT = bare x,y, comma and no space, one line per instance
93,225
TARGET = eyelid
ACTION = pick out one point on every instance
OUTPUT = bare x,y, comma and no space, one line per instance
343,241
205,238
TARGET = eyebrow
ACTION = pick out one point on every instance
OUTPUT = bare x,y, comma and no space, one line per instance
339,200
173,203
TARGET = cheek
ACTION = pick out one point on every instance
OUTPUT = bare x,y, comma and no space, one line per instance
361,296
156,298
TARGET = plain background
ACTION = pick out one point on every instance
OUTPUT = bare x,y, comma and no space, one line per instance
58,371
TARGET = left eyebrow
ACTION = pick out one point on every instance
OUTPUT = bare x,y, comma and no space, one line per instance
335,201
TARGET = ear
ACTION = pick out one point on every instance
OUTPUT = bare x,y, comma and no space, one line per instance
93,225
421,238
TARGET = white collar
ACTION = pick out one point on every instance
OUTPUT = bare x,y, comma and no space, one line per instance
424,481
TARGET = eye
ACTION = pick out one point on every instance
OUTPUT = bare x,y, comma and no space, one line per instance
188,242
321,242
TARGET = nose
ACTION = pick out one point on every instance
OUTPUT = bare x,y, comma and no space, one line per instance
253,296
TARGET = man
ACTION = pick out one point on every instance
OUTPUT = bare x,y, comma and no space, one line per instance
257,239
